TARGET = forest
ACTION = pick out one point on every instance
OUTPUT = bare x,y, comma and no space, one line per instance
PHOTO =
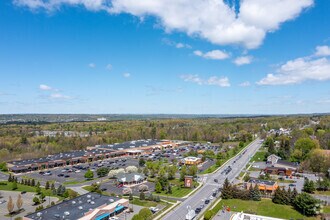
21,141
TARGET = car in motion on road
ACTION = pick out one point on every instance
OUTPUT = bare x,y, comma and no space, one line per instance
198,210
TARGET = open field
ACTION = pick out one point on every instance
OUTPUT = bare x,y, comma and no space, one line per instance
265,207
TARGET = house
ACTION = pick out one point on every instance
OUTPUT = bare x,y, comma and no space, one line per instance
264,185
272,159
287,164
278,171
90,206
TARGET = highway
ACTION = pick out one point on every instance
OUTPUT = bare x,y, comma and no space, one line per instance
197,199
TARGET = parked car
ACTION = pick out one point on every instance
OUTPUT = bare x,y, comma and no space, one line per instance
66,176
2,201
292,185
154,209
207,201
60,175
23,192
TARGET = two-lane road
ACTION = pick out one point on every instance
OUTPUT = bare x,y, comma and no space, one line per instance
195,200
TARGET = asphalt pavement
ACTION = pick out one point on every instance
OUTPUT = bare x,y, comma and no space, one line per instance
198,198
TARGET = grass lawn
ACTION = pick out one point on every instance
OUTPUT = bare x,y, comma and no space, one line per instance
176,192
211,169
325,193
326,209
21,188
144,203
259,156
264,207
73,182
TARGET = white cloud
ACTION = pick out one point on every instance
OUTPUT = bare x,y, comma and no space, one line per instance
178,45
245,84
299,70
213,80
323,101
91,65
212,55
109,67
45,87
243,60
126,75
322,51
59,96
182,45
213,20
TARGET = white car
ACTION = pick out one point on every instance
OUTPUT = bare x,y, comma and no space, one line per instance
154,209
77,171
113,218
211,197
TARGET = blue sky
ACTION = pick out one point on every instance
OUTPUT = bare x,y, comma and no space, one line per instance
165,56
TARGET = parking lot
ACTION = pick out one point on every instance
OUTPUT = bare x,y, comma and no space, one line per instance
27,203
75,173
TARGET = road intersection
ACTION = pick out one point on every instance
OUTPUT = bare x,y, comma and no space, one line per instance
194,201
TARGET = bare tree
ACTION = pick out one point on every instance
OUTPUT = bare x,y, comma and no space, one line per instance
10,205
19,202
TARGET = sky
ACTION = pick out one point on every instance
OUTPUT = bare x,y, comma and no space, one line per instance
165,56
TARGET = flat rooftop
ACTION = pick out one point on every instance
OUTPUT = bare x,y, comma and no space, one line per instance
61,156
73,209
132,144
244,216
264,182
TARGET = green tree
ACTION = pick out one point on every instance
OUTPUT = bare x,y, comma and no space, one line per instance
42,196
36,200
183,172
305,145
169,189
137,217
47,185
227,192
280,196
101,172
171,172
255,193
269,143
145,213
142,196
158,187
309,186
89,174
38,190
192,171
52,186
141,162
306,204
14,186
